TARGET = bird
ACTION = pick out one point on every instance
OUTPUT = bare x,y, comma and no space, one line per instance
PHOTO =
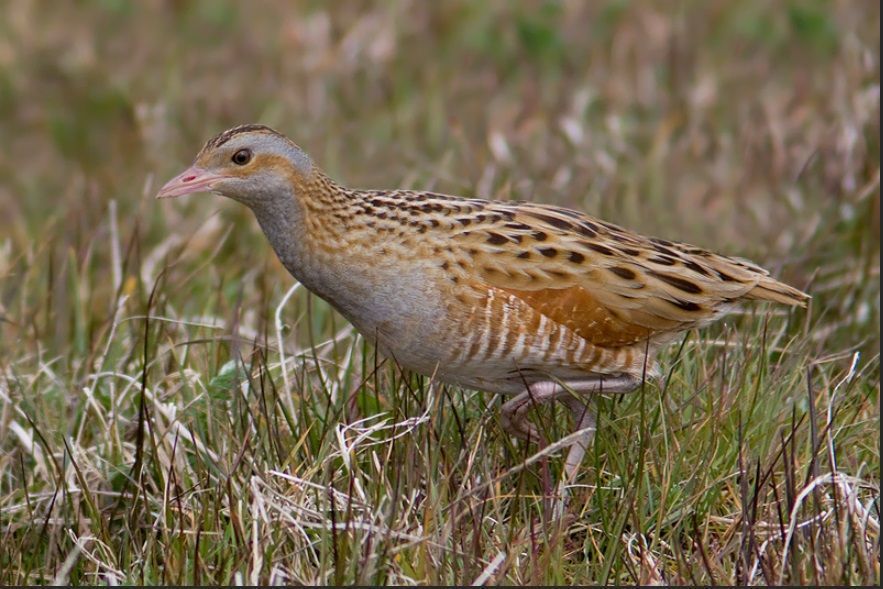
531,301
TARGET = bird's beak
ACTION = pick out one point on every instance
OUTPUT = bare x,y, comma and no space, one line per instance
193,179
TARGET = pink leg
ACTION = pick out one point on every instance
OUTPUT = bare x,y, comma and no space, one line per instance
577,396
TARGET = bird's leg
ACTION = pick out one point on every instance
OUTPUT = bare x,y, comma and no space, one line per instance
513,413
513,416
582,408
577,396
583,418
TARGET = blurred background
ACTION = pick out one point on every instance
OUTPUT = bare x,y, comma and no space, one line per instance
741,128
746,127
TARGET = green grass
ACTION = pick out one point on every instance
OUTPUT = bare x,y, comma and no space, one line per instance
152,430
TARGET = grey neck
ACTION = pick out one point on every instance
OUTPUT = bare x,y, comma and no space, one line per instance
281,219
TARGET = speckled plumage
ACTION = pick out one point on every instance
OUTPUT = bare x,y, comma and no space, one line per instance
486,294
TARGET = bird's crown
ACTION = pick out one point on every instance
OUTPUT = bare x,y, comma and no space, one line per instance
225,136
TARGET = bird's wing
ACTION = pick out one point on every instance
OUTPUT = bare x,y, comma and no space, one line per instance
611,286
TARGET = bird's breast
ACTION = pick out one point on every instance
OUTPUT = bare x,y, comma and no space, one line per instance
399,308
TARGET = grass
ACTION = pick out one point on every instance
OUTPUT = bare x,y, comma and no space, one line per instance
174,410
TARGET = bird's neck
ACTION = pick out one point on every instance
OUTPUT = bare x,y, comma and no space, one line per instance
305,224
282,221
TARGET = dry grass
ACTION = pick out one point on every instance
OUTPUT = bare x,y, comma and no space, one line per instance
174,410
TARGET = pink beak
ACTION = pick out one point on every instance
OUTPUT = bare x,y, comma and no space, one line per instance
191,180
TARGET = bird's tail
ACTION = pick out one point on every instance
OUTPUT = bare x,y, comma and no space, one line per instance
770,289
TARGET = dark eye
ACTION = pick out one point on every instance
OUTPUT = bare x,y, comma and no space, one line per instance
242,157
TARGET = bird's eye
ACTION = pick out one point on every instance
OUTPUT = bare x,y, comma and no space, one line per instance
242,157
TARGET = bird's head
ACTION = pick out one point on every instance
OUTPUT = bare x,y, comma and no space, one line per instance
252,164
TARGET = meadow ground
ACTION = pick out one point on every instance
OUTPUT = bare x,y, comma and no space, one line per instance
174,410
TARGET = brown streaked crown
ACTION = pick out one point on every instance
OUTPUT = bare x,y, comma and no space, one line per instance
225,136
